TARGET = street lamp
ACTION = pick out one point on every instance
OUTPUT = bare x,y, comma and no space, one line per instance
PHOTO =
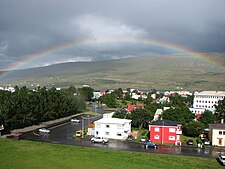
1,128
83,123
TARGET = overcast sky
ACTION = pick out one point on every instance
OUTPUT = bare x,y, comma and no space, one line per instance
30,26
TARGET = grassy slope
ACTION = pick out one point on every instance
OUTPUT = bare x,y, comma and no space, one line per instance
160,72
26,154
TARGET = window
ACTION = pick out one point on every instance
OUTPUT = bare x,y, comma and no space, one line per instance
220,132
172,130
106,133
107,125
171,137
157,129
223,132
156,137
98,125
119,134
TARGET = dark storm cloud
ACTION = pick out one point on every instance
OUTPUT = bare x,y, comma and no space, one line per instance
28,27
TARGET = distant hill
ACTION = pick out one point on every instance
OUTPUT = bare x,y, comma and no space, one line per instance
164,72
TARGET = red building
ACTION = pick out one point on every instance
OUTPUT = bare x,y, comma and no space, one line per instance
164,131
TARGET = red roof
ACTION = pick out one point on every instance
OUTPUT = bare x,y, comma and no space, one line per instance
102,93
198,116
132,107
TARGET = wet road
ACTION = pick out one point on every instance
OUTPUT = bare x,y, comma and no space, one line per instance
63,134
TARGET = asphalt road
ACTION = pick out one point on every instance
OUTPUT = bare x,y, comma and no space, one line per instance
63,134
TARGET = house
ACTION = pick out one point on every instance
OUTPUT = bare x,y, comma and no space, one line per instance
97,95
113,128
159,112
132,107
206,100
165,131
217,134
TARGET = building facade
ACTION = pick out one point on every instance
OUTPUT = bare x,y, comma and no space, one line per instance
113,128
164,131
217,134
206,100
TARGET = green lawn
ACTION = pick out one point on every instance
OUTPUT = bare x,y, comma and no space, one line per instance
31,155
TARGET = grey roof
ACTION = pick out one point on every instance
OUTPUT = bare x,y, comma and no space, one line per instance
164,123
218,126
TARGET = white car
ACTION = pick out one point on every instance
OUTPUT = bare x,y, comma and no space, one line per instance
143,139
99,140
221,159
75,120
44,130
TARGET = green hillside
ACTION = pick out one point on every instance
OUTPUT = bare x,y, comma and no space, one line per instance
159,72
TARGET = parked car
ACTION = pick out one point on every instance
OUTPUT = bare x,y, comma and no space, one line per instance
75,120
99,140
44,130
221,159
80,133
206,141
143,139
148,144
190,142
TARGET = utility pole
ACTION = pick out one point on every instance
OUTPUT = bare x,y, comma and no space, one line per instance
82,127
162,131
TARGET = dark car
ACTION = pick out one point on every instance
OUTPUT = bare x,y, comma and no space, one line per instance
150,144
190,142
130,139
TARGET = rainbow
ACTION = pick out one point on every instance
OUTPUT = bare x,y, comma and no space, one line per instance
108,40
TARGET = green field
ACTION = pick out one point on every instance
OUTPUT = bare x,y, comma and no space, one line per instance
31,155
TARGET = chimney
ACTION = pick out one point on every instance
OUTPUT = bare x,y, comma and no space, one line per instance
221,120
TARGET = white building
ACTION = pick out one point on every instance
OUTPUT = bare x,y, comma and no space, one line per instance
97,95
206,100
159,112
113,128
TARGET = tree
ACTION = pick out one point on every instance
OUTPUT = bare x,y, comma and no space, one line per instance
121,114
109,100
193,128
177,100
207,117
179,114
220,110
86,92
26,107
140,118
119,93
